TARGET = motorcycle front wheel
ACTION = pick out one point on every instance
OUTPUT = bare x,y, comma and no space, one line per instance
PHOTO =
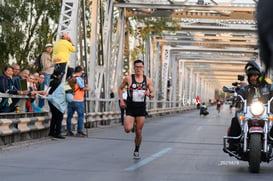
255,147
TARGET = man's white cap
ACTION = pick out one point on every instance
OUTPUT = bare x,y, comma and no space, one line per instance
48,45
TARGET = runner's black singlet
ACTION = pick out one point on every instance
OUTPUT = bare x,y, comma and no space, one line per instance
136,100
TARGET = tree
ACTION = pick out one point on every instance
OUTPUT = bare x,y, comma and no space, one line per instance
150,26
25,27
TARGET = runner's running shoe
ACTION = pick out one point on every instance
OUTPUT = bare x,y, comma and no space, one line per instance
136,156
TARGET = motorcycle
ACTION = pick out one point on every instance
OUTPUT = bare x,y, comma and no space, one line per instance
254,144
203,110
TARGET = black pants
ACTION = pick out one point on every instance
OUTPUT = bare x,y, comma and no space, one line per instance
235,129
122,110
10,108
60,67
56,120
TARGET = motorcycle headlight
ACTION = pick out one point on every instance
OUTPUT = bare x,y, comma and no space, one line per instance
257,108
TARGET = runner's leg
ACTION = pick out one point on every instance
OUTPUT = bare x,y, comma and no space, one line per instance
128,123
139,126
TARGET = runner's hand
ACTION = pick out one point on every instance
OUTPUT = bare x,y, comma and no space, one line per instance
122,104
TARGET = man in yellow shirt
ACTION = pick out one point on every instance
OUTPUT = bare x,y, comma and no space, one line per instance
61,52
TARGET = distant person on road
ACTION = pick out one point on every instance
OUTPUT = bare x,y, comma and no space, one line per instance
61,52
139,86
198,102
203,109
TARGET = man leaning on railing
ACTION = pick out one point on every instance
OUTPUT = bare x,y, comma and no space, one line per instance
6,86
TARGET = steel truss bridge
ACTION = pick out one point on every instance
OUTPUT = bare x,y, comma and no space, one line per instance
214,41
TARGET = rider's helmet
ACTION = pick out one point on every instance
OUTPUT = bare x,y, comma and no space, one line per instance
252,68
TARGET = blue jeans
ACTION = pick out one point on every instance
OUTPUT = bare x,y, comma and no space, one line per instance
79,108
46,82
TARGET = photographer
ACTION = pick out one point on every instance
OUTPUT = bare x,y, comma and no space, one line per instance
78,103
61,52
238,85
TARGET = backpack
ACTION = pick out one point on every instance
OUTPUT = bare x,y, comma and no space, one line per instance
38,64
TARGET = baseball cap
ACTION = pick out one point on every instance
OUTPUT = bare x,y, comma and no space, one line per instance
48,45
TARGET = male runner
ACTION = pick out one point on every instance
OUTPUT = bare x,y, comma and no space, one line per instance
137,90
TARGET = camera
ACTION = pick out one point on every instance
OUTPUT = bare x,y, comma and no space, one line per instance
84,75
235,84
241,77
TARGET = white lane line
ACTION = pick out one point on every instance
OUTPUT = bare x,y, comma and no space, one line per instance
147,160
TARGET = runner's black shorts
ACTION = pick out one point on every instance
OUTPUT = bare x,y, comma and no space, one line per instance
136,111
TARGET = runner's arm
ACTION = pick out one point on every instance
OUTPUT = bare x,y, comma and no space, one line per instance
150,87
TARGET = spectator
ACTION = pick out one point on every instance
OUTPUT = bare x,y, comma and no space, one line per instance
30,105
77,104
122,110
40,82
47,68
61,52
41,88
22,75
36,77
169,88
58,101
7,86
55,80
112,94
17,82
16,70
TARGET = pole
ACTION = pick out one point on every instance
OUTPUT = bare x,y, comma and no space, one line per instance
86,105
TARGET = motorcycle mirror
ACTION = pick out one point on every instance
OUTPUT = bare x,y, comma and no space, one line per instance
228,89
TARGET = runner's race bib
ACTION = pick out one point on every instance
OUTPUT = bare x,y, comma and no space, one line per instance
138,95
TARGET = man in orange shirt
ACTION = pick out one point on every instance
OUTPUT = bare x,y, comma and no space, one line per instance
77,104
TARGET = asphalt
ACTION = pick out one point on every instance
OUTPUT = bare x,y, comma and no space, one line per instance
175,147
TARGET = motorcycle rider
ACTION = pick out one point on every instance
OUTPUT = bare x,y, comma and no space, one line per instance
259,87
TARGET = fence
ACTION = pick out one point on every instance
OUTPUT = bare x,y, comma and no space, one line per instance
22,126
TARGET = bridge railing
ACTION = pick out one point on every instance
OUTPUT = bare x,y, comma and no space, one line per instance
21,126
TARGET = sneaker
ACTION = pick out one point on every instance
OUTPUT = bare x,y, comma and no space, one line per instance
136,156
81,134
69,133
59,136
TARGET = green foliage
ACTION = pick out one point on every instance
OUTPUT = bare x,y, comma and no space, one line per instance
150,26
156,25
25,27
